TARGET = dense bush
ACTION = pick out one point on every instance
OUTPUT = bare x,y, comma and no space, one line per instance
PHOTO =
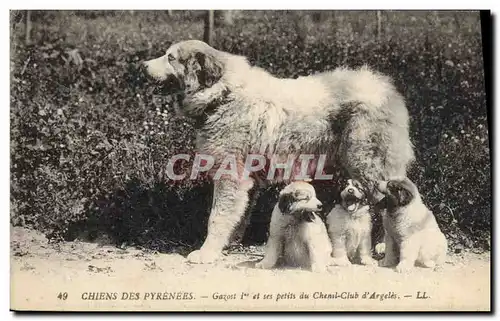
89,140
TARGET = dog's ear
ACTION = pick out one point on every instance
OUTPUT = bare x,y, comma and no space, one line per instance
388,203
361,187
404,196
285,202
381,205
211,69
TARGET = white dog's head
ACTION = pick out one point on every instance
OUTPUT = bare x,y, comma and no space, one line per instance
187,67
353,196
298,198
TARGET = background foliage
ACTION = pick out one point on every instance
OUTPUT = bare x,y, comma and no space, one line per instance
89,140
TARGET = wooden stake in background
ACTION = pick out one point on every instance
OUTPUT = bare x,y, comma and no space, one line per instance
379,25
208,35
27,17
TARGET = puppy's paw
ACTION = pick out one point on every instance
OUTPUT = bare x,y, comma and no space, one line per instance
340,261
385,263
264,264
368,260
318,268
404,267
438,268
203,256
380,248
429,264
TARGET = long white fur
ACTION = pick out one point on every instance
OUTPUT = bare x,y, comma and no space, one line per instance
350,234
412,236
299,243
264,113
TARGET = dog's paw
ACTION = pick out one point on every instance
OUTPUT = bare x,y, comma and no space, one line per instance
380,248
438,268
385,263
367,260
429,264
203,256
342,261
404,267
264,264
318,268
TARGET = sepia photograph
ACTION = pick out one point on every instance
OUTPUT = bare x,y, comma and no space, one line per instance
250,160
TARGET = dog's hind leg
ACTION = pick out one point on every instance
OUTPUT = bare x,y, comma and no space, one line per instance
230,199
362,152
373,148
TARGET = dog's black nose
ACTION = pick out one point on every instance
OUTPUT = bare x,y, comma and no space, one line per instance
320,206
350,191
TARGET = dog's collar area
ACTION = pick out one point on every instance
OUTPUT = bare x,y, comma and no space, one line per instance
211,108
307,216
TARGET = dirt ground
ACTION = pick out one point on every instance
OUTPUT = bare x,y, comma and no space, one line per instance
94,277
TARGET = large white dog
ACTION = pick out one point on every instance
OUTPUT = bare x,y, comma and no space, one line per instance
354,117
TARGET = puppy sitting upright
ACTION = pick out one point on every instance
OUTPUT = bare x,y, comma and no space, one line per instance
349,227
297,234
412,235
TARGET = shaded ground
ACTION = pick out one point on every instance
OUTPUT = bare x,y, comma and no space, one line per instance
60,276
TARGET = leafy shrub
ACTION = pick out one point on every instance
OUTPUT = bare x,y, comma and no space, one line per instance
89,139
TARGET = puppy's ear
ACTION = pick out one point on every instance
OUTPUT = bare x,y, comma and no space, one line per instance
381,205
361,187
210,69
285,202
387,203
404,196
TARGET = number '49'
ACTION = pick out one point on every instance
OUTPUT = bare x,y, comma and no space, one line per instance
62,296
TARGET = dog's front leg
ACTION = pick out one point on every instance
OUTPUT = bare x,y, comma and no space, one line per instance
230,199
318,256
409,253
365,248
274,246
339,251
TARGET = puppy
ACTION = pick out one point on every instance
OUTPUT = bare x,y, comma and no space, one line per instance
297,234
349,227
412,235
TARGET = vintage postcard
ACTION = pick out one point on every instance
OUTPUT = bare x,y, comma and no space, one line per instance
207,160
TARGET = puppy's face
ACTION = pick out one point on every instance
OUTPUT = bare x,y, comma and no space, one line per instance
298,197
352,196
187,67
399,192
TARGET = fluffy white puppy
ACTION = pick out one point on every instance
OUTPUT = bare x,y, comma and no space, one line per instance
349,227
297,235
412,235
